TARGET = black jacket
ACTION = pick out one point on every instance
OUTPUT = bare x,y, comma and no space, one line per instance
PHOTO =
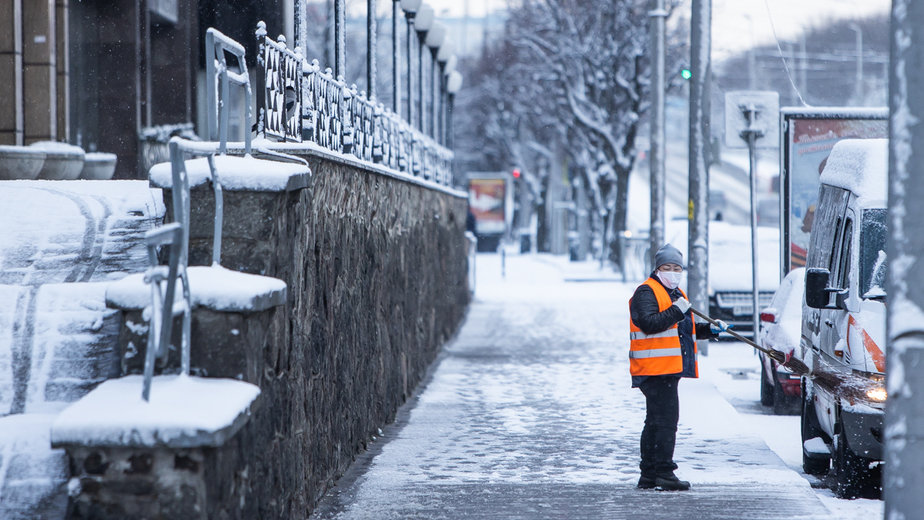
647,316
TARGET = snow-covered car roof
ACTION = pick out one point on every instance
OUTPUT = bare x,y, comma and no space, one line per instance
860,166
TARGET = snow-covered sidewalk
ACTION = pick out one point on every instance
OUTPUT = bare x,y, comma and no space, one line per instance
529,414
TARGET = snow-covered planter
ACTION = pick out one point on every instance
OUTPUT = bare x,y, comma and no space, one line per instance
62,161
98,166
20,162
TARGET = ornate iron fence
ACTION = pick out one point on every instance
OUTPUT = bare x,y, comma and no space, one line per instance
280,86
338,117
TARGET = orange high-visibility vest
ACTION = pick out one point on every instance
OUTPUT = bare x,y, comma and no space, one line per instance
657,354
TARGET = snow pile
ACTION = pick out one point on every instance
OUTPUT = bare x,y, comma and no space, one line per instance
183,411
214,287
237,173
862,167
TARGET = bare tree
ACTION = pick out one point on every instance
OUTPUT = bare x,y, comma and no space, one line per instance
573,72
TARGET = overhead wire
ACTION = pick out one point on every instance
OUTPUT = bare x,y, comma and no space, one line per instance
782,58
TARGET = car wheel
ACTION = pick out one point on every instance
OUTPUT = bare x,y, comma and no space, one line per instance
812,463
851,471
766,387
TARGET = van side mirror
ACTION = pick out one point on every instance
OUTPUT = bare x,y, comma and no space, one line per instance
816,283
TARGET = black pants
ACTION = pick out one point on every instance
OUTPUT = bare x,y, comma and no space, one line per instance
660,432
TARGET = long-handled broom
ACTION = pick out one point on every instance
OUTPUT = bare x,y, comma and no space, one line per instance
794,364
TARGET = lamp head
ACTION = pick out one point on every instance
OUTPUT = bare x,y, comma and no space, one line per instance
424,20
454,82
436,36
410,6
445,51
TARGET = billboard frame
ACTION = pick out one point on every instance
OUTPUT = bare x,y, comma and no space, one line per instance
788,115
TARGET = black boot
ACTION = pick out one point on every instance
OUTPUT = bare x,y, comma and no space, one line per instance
670,482
647,482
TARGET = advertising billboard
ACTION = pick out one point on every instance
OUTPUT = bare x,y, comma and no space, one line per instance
487,195
808,135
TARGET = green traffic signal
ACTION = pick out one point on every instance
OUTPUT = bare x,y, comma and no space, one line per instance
686,73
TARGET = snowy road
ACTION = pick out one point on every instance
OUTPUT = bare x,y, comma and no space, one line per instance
529,414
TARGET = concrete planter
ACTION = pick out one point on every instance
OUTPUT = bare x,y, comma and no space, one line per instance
62,161
20,162
98,166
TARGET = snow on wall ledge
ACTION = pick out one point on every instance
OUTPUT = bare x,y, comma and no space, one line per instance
238,173
213,287
183,412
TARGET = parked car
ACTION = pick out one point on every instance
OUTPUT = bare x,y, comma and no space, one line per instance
730,285
781,329
844,317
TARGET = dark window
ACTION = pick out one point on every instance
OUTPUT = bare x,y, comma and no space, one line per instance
873,236
843,268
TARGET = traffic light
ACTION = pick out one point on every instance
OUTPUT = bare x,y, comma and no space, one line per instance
686,73
516,173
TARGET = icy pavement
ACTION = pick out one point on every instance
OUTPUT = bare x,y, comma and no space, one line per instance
529,414
60,243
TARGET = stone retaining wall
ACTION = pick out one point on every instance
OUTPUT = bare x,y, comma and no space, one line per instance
377,282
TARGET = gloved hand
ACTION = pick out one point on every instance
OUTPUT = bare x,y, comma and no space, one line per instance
719,326
683,304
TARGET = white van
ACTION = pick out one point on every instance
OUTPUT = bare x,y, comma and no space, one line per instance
844,317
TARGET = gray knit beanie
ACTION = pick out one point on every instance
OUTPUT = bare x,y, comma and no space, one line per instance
668,254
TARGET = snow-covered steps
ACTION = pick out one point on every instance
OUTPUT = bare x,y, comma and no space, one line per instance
33,476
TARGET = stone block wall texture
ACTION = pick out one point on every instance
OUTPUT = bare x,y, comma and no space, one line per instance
376,270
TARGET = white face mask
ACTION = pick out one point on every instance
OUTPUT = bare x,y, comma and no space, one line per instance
670,279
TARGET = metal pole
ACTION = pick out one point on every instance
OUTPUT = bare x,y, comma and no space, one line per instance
370,49
420,87
656,153
339,39
904,418
698,211
751,137
410,67
858,82
395,60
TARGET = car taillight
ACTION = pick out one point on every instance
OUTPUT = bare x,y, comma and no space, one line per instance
768,317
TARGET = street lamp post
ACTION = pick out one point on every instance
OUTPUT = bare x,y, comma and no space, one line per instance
423,23
435,39
410,8
370,49
859,81
453,84
444,56
395,60
339,39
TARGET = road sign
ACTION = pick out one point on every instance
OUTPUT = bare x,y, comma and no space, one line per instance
765,107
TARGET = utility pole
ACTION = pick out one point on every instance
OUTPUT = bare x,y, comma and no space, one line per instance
904,418
697,206
656,148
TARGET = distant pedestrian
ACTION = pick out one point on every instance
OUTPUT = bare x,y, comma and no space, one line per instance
662,349
470,221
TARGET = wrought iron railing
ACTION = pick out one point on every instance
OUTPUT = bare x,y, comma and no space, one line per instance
338,117
217,48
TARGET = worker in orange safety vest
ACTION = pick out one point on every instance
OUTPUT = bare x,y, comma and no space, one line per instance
662,349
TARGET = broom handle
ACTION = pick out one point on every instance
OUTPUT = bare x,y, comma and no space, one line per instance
775,354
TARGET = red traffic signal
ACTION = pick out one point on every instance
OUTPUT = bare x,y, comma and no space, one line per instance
516,174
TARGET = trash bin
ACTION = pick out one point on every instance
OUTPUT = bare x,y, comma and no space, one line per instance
574,246
525,241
